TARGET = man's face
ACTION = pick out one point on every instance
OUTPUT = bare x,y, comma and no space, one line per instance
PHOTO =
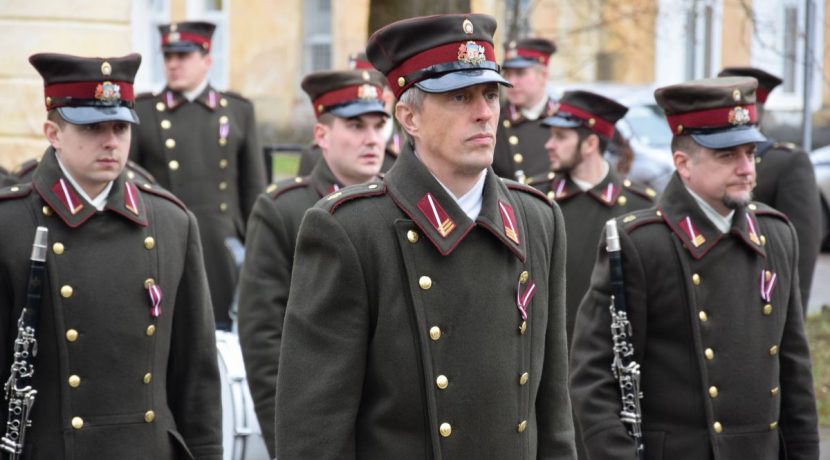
93,154
456,131
563,149
528,85
186,71
353,147
724,178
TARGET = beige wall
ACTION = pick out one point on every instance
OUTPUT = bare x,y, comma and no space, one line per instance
737,34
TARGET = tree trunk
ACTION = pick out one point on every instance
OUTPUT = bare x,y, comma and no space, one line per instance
383,12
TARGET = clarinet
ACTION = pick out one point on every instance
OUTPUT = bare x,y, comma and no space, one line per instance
19,391
626,370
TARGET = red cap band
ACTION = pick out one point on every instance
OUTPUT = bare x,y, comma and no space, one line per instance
88,90
761,95
200,40
346,94
598,125
721,117
538,56
443,54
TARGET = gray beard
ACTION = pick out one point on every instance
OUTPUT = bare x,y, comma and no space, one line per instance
734,203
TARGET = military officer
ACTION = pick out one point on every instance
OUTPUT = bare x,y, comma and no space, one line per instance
787,182
201,144
711,286
520,151
391,132
349,130
425,317
126,364
583,184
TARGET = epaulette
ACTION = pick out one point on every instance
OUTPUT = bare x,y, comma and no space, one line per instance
640,189
24,169
540,178
14,192
787,146
333,201
278,188
513,185
762,209
160,191
135,171
236,95
633,220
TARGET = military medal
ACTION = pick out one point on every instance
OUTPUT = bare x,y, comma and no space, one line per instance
155,300
212,99
768,280
169,97
224,129
523,298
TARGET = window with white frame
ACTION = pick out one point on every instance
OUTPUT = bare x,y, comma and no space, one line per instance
147,15
216,12
317,47
703,37
790,50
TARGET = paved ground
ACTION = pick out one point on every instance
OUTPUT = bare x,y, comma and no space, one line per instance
820,291
824,448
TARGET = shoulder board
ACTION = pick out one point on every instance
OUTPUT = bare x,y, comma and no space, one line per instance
762,209
333,201
25,169
145,96
640,189
788,146
633,220
160,191
277,189
15,191
513,185
540,178
236,96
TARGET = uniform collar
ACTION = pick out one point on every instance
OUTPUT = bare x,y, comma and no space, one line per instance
698,234
322,179
60,195
172,100
607,192
514,112
419,195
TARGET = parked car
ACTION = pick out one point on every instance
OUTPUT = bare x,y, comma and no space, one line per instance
821,163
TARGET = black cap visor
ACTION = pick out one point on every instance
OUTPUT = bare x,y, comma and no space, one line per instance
90,115
519,63
461,79
558,121
181,47
358,108
729,137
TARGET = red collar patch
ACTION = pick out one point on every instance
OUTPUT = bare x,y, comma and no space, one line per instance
508,218
752,227
130,197
691,232
67,196
436,215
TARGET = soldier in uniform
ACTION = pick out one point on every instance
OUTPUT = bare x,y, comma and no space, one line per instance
24,171
425,317
349,131
712,294
583,184
201,144
787,182
520,151
391,135
126,364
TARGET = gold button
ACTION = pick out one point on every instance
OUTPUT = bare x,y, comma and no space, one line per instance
271,188
173,165
506,123
763,240
445,429
752,206
523,328
223,119
518,158
71,335
130,175
412,236
522,426
58,248
223,207
151,329
774,392
718,427
709,353
372,186
696,279
551,175
46,210
622,200
773,350
401,82
767,309
435,333
66,291
627,183
524,276
223,142
165,124
659,214
74,381
148,377
679,129
223,185
773,425
513,140
425,282
149,282
223,102
77,423
551,195
524,378
757,160
703,316
160,106
767,275
223,163
713,391
442,382
14,189
149,416
298,180
170,143
149,242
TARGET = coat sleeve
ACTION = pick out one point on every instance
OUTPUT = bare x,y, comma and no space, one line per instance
797,196
798,420
251,180
594,390
553,408
193,390
263,295
324,344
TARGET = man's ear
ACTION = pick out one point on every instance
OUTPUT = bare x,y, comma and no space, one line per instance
52,132
681,163
409,119
590,144
321,135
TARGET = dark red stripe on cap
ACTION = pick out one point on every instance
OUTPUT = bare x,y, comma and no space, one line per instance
439,55
538,56
343,95
761,95
600,126
711,118
186,37
85,90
